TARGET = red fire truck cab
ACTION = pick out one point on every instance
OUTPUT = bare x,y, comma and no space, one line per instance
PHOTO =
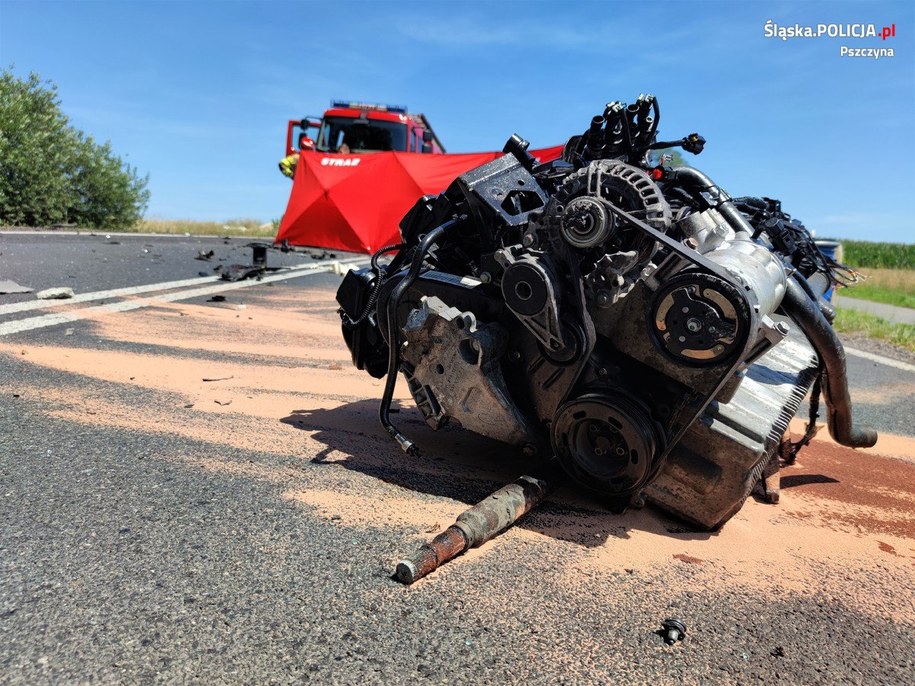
363,128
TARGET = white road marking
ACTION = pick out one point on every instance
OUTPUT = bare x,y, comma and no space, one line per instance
46,320
880,359
102,295
12,308
337,266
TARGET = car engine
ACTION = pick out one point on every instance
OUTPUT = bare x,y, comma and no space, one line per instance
622,314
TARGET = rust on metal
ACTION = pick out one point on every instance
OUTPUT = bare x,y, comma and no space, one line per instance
475,526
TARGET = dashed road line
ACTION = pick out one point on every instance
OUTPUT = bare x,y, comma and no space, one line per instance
44,321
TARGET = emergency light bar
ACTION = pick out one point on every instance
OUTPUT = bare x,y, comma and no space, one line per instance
398,109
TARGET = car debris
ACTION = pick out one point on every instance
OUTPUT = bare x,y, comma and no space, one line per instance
258,254
630,318
477,525
8,287
674,630
204,255
239,272
62,293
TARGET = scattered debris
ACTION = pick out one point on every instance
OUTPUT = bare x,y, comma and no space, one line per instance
116,243
204,255
8,287
203,273
55,294
259,254
674,630
68,331
238,272
216,299
223,402
475,526
221,378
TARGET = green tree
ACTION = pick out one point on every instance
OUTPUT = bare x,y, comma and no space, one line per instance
50,172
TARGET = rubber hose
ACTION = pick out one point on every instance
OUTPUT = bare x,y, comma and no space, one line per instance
807,315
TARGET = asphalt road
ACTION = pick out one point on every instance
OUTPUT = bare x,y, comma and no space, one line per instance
163,528
99,261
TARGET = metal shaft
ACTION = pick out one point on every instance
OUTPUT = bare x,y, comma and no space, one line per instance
475,526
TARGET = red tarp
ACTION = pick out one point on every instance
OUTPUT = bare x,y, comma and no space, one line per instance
356,202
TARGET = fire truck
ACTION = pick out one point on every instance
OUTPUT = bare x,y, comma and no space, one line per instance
357,127
360,173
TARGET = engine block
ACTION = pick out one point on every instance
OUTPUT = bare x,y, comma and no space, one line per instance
627,318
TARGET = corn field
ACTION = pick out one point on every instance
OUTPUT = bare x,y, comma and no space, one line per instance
879,255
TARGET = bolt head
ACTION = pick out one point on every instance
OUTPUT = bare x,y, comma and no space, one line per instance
675,630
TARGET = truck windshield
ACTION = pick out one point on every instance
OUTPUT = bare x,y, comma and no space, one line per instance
361,135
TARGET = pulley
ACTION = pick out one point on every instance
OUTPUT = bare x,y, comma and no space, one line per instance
526,287
585,222
580,206
605,443
700,319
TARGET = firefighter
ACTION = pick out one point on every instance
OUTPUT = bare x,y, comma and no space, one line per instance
288,164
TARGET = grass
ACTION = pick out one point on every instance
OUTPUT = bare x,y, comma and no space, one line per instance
852,321
234,227
889,286
878,255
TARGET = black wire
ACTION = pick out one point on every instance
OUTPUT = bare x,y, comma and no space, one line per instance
419,256
376,291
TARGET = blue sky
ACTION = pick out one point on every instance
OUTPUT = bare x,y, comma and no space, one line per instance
197,94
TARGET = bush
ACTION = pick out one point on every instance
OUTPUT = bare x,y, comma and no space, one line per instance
51,172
